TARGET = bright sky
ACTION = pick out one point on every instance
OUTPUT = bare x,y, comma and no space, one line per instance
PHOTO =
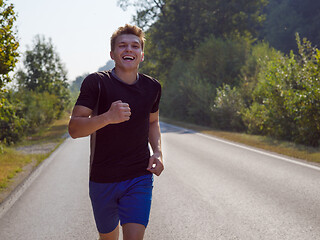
80,29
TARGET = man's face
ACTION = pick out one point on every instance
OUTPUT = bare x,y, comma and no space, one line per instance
127,52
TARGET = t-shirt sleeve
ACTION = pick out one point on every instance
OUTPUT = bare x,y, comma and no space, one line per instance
155,106
89,92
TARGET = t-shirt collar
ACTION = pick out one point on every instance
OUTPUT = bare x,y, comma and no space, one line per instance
113,73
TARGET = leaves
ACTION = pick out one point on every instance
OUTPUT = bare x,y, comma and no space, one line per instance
288,93
286,17
8,42
44,71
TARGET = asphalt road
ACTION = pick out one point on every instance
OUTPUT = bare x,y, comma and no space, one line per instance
210,189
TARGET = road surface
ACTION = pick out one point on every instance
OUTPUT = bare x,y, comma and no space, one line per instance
210,189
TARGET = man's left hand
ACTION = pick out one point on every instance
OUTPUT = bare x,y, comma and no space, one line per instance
155,164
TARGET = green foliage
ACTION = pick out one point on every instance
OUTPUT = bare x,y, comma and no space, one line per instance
220,61
254,118
109,65
147,10
256,62
45,72
76,84
38,109
286,17
157,60
303,100
179,27
286,99
191,21
42,96
8,42
270,93
174,100
280,25
24,112
75,87
11,125
227,109
187,96
193,84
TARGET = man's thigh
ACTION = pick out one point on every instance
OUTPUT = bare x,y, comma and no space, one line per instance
134,206
105,206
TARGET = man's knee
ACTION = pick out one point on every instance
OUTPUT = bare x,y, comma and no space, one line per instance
114,235
133,231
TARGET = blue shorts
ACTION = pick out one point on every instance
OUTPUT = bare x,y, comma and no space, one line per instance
128,201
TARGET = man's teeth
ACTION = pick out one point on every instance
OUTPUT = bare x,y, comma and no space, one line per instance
128,58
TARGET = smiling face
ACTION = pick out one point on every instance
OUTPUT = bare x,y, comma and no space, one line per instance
127,52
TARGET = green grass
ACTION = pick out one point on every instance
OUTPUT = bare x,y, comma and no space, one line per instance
282,147
13,161
51,133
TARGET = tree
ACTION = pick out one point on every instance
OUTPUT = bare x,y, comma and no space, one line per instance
147,11
186,21
178,27
286,17
75,87
8,42
76,84
44,71
10,125
109,65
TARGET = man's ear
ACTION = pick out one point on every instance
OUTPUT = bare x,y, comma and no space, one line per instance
142,56
111,55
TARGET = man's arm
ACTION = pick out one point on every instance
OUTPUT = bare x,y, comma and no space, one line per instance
156,161
81,123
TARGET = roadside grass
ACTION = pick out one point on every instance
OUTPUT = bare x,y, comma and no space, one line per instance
12,161
281,147
52,133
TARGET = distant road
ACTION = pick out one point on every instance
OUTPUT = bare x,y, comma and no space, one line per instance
210,189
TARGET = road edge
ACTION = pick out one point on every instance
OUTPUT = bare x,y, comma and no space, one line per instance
10,200
282,157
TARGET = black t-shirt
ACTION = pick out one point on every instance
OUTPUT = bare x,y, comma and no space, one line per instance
120,151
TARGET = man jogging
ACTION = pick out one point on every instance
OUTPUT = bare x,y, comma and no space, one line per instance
120,110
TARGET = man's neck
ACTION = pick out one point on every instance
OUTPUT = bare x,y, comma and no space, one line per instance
129,77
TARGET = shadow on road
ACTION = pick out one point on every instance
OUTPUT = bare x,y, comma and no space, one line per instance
168,128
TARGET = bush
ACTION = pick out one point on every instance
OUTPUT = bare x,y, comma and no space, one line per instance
38,109
227,109
190,91
256,64
24,112
220,60
187,97
303,99
287,96
11,126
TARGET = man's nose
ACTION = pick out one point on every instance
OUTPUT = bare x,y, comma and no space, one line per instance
129,48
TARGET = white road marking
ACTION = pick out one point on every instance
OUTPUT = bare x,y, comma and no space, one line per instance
249,148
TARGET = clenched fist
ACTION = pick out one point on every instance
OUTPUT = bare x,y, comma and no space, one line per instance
119,112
